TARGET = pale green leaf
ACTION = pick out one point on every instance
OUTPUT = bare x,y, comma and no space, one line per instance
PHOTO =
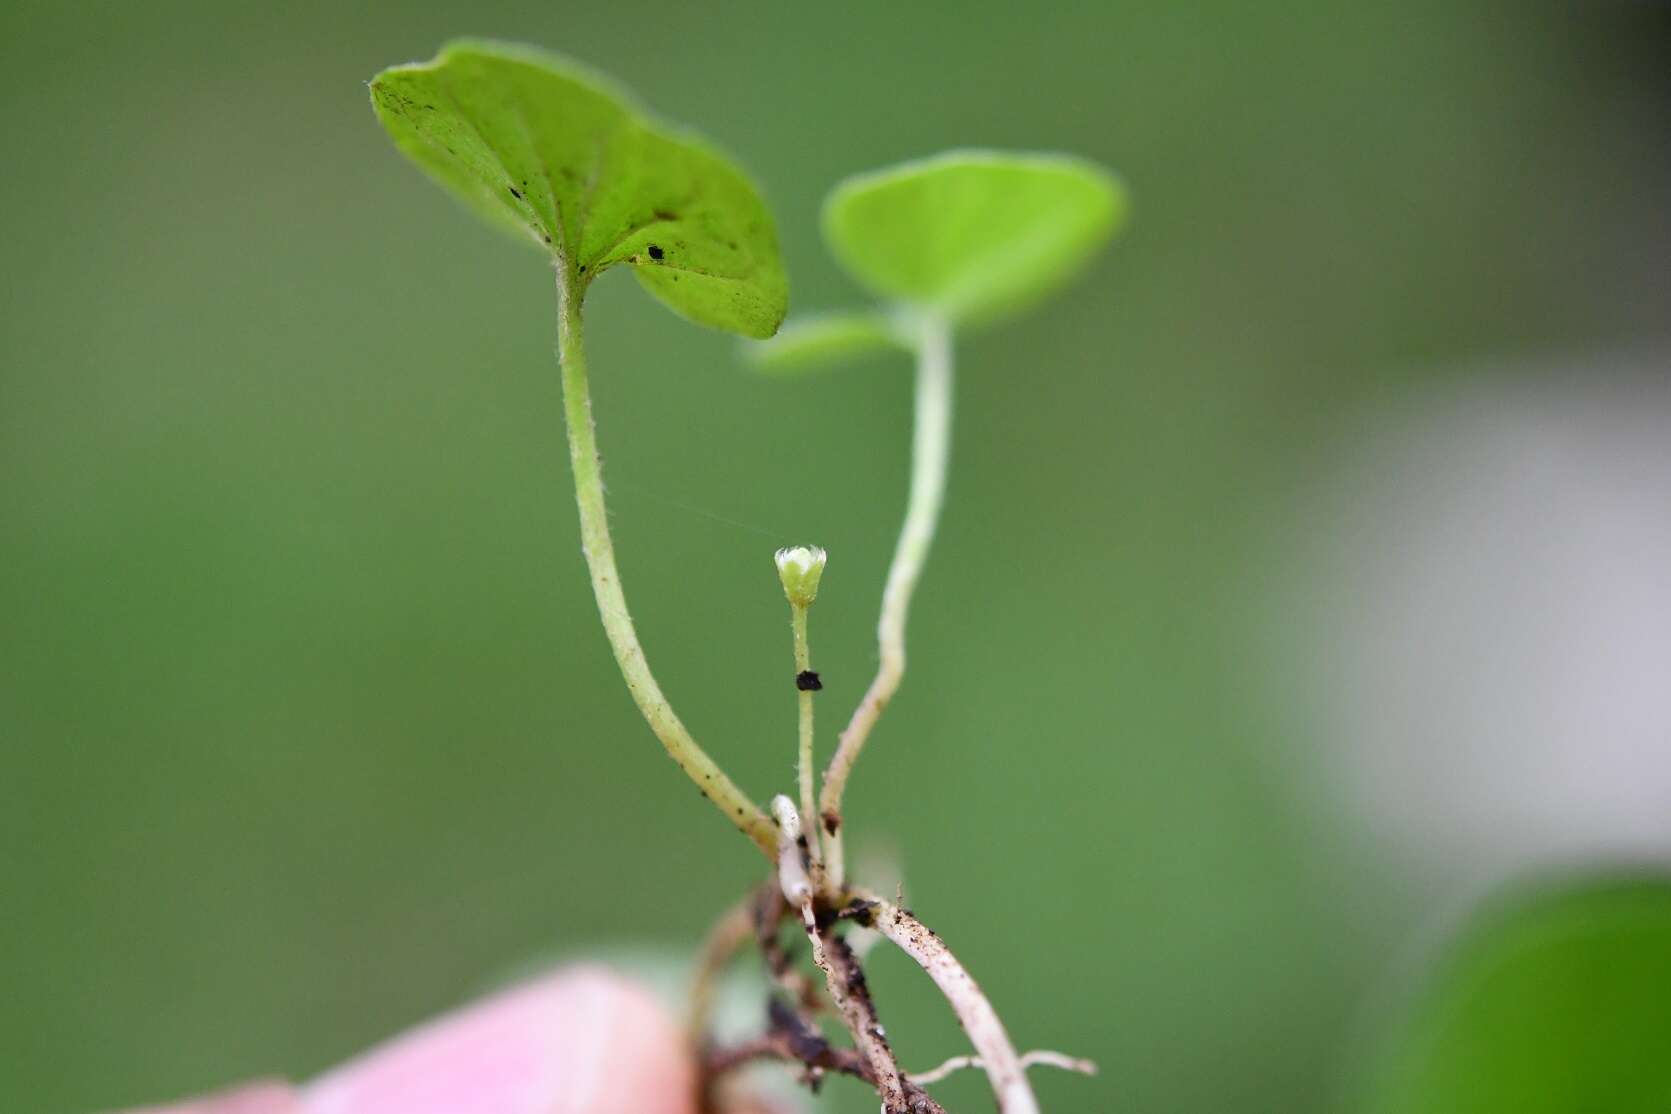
972,234
565,160
817,340
1557,1005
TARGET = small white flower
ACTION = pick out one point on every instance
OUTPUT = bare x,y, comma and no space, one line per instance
799,568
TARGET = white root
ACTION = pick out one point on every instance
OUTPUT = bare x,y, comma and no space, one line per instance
792,853
1039,1057
1004,1069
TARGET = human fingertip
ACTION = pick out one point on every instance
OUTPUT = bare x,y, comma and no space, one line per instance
582,1040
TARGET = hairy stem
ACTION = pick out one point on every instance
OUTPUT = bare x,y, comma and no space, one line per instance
930,451
587,467
803,761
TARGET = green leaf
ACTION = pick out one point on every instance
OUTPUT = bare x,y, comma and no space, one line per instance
815,341
565,160
972,234
1558,1004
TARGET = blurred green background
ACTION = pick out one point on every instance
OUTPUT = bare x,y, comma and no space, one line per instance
307,726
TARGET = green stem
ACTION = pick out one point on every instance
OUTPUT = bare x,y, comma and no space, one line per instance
587,467
803,764
930,452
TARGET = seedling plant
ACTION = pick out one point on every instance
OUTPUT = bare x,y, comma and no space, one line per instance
567,161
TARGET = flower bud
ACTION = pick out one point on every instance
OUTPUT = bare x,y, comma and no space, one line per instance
800,568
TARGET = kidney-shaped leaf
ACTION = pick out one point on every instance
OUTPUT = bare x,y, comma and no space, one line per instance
1558,1004
557,155
972,234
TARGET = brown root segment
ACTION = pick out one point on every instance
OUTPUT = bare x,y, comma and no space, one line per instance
850,991
794,1036
769,911
851,995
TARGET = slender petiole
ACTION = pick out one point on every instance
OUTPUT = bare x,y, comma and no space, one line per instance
587,467
930,452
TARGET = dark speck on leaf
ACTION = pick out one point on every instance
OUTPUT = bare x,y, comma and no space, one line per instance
514,192
655,252
807,681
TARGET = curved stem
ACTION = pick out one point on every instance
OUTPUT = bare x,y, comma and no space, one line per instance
803,761
930,451
606,583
